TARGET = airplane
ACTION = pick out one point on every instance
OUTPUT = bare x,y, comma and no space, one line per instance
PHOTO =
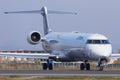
67,46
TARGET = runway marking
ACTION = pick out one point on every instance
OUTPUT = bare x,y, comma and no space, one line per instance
60,75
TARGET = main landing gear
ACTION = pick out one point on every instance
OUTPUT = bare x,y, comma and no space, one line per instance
101,64
48,65
85,65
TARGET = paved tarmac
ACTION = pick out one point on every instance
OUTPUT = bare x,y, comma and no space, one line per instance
59,73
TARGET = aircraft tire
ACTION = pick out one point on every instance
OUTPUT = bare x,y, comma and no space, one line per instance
50,66
44,66
82,66
100,68
87,66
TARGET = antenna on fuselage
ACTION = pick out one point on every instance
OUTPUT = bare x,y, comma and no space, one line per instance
44,13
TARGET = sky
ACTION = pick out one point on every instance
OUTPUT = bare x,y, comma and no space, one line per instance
94,16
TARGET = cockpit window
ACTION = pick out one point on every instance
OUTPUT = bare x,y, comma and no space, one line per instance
97,41
105,41
89,41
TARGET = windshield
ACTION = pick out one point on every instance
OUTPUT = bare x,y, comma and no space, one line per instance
90,41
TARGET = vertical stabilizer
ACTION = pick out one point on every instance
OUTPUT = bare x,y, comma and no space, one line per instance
45,21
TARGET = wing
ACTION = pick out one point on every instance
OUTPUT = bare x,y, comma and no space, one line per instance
27,55
115,56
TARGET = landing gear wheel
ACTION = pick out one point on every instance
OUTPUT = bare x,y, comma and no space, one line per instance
82,66
99,68
87,66
50,66
44,66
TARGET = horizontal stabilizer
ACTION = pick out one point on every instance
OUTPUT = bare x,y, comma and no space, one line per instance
60,12
32,11
42,11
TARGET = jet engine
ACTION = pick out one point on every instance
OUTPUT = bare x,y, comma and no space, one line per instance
34,37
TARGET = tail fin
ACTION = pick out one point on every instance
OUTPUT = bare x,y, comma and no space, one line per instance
44,13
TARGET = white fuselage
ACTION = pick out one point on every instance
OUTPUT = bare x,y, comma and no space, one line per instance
77,46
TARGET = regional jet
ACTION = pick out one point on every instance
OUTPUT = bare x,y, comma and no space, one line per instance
67,46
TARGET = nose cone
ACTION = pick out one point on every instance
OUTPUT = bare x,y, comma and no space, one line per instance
100,50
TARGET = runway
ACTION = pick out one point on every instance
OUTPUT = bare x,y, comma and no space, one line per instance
59,73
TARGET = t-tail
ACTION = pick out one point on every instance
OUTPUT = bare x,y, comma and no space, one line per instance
44,13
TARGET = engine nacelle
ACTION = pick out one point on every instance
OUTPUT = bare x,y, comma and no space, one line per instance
34,37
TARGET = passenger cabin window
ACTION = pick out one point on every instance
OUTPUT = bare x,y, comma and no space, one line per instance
90,41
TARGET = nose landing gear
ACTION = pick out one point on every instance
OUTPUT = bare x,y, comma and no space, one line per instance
101,64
